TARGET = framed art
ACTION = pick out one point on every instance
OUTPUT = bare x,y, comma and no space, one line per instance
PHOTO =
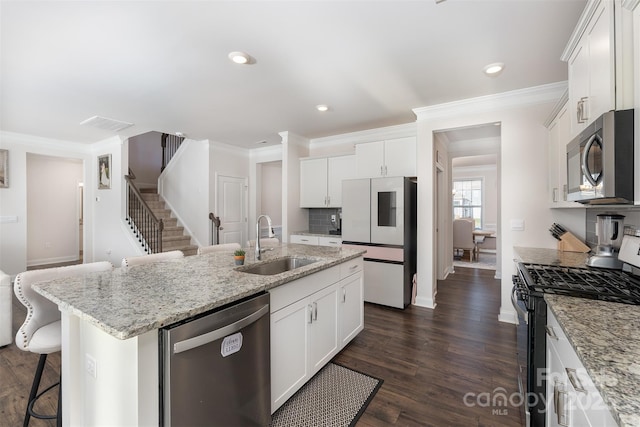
104,172
4,168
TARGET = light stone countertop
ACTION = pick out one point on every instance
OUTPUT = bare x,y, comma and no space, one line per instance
127,302
550,257
606,337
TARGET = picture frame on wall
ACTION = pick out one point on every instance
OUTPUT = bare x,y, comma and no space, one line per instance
4,168
104,172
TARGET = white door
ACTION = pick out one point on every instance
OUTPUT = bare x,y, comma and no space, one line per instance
232,208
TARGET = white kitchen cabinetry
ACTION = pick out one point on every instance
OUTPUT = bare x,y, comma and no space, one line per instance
600,64
304,239
394,157
312,318
572,398
559,137
321,180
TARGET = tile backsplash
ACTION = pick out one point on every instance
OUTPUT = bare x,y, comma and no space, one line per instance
631,217
320,220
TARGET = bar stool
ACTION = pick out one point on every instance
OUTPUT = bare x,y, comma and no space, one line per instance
41,331
218,248
6,337
148,259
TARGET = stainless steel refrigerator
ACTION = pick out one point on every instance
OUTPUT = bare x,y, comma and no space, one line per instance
381,215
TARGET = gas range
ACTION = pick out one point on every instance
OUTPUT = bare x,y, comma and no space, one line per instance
593,283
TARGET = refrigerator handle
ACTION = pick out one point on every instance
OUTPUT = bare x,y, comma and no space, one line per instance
203,339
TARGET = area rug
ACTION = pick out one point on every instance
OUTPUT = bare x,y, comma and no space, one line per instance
485,262
335,397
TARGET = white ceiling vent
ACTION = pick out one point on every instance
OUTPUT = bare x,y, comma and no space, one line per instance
106,124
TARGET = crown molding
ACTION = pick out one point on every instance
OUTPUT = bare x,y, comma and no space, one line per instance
46,143
516,98
557,108
580,28
231,149
369,135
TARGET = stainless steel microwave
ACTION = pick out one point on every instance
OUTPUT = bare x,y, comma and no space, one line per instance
600,161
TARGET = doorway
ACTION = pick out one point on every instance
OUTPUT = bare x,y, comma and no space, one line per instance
473,154
54,210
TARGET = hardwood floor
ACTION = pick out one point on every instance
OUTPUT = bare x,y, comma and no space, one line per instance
429,360
17,369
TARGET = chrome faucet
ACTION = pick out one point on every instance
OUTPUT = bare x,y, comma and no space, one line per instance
258,250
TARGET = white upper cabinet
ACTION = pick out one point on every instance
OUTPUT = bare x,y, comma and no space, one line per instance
393,157
600,68
559,136
321,180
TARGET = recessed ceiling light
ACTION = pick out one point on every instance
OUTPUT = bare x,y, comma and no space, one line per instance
240,58
494,69
322,107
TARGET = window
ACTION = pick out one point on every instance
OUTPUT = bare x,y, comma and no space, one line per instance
467,200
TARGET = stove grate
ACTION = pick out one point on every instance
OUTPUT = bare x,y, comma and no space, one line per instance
607,285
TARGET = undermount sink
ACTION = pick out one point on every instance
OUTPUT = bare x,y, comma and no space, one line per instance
277,266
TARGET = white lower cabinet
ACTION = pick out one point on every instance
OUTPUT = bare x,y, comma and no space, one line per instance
572,398
305,239
312,319
351,307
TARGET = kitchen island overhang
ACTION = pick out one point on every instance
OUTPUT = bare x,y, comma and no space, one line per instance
110,324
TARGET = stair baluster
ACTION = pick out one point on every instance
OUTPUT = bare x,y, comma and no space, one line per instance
144,223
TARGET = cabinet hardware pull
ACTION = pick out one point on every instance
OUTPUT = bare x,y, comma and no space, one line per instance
385,171
575,381
310,313
344,294
560,399
564,192
353,267
551,332
381,173
315,311
555,195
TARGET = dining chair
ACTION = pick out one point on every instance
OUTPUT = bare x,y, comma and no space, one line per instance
463,236
218,248
41,331
148,259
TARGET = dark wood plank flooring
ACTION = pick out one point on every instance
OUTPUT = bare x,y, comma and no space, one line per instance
428,359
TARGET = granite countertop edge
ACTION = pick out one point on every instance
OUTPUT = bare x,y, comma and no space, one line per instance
608,345
128,302
309,233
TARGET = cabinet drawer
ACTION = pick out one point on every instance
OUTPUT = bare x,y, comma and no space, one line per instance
350,267
329,241
296,290
303,239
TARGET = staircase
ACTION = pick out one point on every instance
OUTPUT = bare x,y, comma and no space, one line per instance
173,236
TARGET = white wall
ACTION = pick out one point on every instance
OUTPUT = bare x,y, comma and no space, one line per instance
184,186
53,211
271,191
522,162
145,158
258,157
293,217
13,200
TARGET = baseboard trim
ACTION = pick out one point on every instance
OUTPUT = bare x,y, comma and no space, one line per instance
55,260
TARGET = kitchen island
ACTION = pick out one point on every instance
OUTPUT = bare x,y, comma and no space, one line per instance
110,324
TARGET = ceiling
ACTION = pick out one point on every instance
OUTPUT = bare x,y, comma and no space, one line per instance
163,65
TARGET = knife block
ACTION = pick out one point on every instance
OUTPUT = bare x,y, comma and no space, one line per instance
570,243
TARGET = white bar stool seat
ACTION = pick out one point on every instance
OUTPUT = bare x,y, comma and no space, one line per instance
219,248
148,259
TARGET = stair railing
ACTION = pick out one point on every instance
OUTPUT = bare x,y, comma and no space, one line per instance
144,224
170,144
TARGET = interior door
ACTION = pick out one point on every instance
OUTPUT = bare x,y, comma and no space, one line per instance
232,205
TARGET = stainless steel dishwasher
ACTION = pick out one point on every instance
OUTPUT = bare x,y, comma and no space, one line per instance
215,369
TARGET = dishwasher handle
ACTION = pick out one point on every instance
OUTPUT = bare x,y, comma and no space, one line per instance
200,340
